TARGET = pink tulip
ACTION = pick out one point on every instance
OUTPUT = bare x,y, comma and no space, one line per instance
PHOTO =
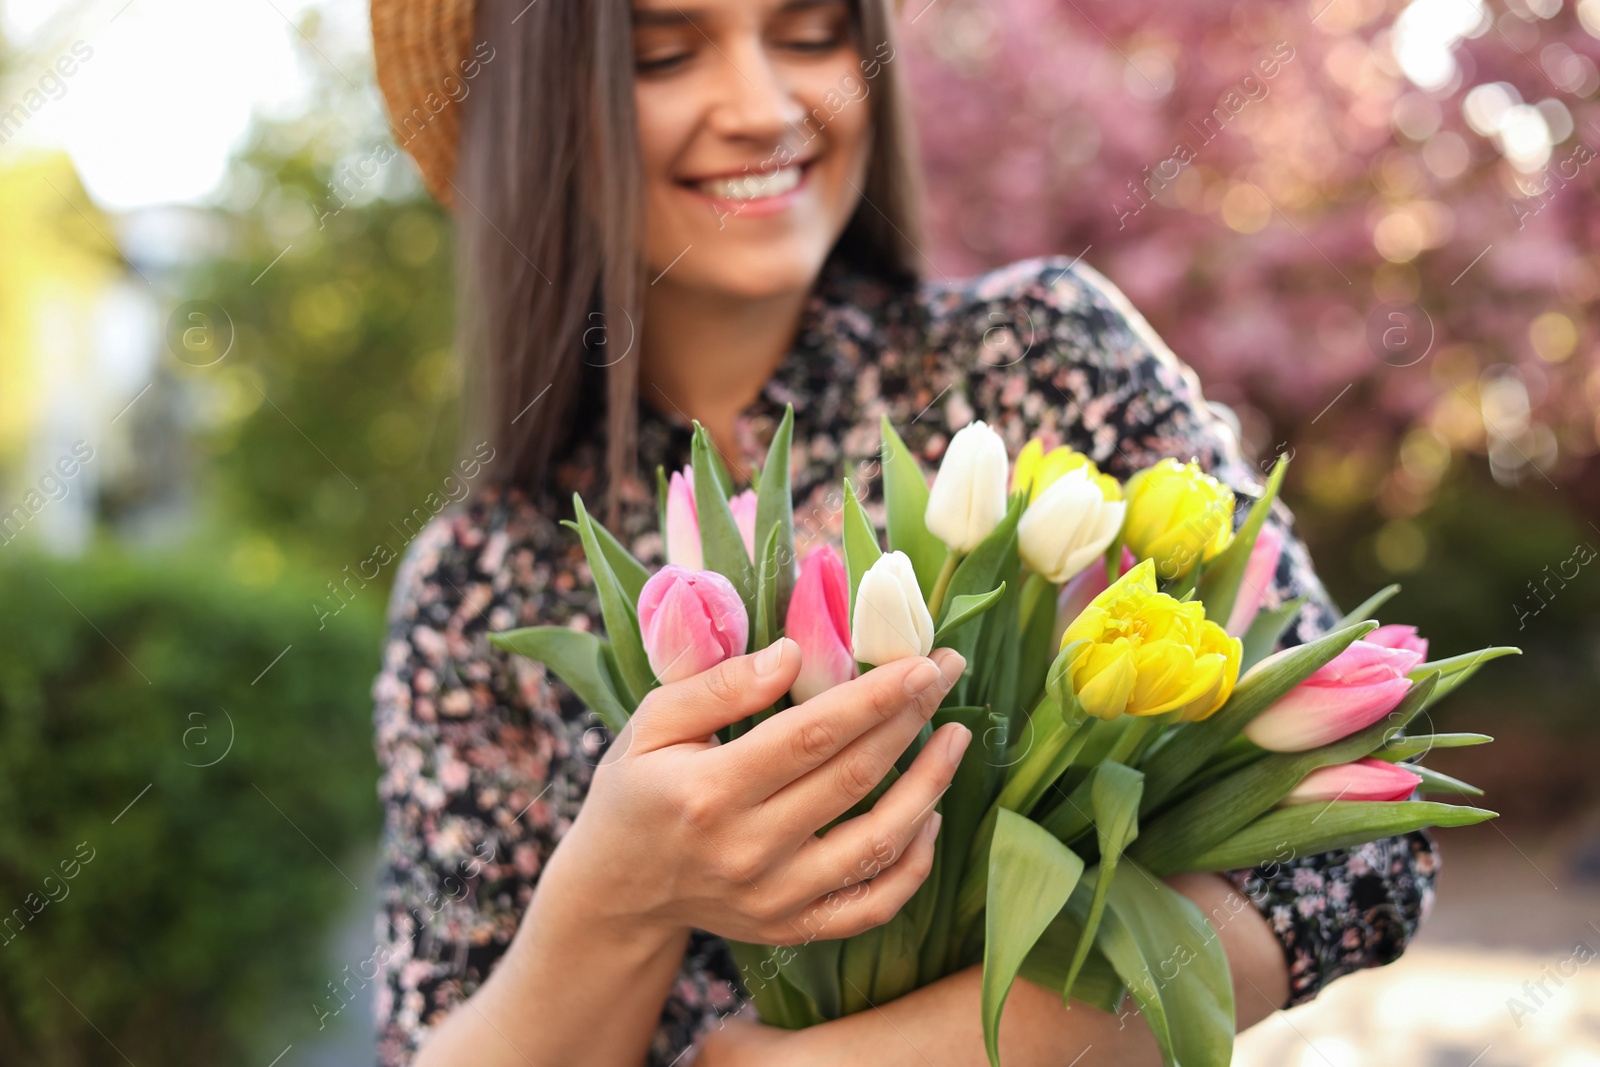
690,621
743,507
1365,779
1351,692
1399,637
819,621
683,521
1258,574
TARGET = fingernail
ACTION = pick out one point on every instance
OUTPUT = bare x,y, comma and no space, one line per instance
957,744
951,664
769,659
920,677
931,827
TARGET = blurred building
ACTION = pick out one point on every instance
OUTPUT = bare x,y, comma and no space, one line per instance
86,426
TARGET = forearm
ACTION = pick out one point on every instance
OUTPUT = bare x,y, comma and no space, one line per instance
937,1025
570,990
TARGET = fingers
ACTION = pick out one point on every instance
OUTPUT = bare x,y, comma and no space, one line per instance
873,897
698,707
895,819
790,746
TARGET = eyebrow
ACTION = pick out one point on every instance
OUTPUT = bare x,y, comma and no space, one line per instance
677,16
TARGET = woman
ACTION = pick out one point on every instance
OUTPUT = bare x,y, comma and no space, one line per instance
705,211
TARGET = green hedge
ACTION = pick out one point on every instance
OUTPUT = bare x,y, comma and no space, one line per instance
196,930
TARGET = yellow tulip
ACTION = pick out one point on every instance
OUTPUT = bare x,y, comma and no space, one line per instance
1142,652
1178,515
1036,470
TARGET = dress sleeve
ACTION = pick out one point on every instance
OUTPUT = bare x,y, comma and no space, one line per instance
484,762
1058,352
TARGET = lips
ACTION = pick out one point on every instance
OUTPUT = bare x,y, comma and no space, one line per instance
752,185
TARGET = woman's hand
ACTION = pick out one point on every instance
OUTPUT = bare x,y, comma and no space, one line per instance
680,831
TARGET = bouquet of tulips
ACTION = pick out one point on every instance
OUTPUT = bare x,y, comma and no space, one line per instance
1131,716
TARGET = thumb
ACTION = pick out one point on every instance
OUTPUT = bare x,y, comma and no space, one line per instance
698,706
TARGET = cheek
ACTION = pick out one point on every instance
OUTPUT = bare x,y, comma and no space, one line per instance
663,132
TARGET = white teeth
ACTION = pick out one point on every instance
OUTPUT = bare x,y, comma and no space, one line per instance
753,186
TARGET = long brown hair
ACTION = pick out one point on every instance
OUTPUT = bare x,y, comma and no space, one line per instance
549,216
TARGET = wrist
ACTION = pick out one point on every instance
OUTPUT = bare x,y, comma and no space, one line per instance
576,898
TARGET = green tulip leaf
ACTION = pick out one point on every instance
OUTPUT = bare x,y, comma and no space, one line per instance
858,963
1114,797
1162,947
1219,584
963,608
1400,748
861,549
813,969
778,1001
721,546
1034,652
1097,983
1457,670
1434,782
991,674
620,613
1368,608
1312,829
976,780
1031,875
896,972
981,570
767,622
775,511
1266,630
630,573
579,658
905,497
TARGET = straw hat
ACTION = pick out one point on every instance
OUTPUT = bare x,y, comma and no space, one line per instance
420,49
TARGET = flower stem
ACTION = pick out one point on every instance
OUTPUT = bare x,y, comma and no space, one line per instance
941,584
1033,588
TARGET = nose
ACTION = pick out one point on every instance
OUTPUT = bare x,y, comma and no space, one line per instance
756,101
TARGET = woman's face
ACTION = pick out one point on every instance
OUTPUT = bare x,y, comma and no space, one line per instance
753,130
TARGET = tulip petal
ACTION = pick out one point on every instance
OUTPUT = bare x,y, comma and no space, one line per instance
683,522
1398,636
891,621
968,498
743,507
1365,779
1258,574
1310,716
1109,676
690,621
818,620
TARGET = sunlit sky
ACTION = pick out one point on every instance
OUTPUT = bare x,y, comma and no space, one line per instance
167,89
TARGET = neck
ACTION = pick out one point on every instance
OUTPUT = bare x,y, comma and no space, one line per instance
707,355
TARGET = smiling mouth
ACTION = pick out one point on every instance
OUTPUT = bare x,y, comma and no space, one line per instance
752,187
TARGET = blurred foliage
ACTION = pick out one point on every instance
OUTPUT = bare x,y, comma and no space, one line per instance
1262,178
333,415
196,911
1430,153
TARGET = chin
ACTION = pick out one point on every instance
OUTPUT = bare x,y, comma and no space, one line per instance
752,274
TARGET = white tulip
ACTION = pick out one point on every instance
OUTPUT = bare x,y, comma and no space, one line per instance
890,622
1068,526
968,498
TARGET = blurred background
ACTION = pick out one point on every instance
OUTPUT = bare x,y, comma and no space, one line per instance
225,372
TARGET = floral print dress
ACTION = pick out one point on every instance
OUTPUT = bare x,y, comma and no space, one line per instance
486,758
